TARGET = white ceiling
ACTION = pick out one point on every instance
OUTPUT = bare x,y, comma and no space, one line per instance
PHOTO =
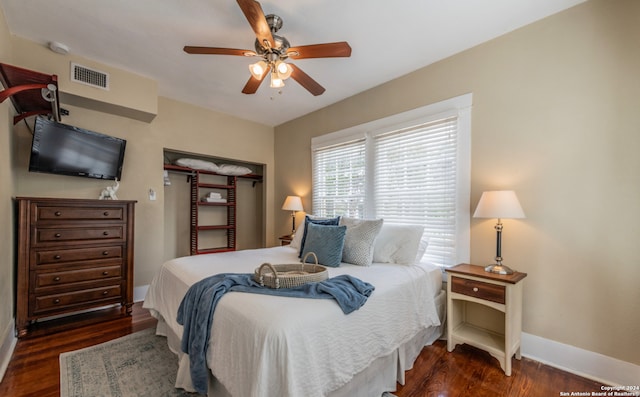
388,38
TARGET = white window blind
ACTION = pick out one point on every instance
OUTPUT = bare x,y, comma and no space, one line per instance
411,168
415,182
339,179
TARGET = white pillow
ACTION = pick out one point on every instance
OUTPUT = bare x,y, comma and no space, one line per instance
197,164
398,243
359,240
297,238
231,169
422,247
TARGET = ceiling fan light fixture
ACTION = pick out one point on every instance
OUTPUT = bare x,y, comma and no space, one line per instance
284,70
258,69
276,81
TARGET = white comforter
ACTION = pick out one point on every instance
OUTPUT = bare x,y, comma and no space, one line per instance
273,346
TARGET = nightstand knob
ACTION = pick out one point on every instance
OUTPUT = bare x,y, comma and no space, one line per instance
475,289
56,279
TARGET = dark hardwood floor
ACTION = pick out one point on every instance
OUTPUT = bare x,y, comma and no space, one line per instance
34,368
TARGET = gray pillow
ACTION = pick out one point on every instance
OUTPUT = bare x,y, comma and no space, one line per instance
359,240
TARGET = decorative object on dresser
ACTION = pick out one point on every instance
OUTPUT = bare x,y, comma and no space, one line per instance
485,310
293,204
109,192
73,255
500,204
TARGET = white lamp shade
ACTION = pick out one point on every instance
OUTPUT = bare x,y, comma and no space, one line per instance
292,203
258,69
499,204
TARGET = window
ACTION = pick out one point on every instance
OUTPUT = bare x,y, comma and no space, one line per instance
339,179
409,168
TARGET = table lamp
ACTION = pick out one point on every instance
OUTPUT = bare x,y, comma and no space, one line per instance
500,204
293,204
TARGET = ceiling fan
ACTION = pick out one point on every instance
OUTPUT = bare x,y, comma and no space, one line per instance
274,51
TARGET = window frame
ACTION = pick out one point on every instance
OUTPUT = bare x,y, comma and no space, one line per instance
460,107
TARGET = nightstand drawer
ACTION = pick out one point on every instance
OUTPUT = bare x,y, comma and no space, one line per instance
478,289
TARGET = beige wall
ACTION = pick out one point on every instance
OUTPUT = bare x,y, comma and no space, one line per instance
555,118
177,126
6,191
130,95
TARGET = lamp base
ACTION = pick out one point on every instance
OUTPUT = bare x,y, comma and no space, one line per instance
498,269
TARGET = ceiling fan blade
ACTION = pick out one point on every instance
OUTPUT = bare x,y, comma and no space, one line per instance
217,51
326,50
254,14
252,85
306,81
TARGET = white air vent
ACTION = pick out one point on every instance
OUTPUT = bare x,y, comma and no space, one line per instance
88,76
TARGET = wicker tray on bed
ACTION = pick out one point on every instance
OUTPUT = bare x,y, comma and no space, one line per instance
290,275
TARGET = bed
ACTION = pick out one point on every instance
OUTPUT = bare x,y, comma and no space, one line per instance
268,346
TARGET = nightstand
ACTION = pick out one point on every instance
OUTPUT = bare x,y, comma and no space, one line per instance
485,310
285,240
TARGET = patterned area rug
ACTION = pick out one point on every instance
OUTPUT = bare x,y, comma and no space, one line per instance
136,365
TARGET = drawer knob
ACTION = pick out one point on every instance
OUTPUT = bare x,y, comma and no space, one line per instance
106,213
57,278
56,301
57,235
57,257
105,233
475,289
105,293
57,213
105,273
105,253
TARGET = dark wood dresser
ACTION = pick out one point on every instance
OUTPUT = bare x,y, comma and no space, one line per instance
73,255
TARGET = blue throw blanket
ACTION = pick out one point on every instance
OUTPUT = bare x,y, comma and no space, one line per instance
196,309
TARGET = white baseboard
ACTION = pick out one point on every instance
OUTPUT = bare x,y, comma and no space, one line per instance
140,292
7,345
595,366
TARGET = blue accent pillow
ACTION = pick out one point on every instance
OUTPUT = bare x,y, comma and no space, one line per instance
326,221
326,241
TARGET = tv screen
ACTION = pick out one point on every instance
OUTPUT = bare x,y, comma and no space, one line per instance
63,149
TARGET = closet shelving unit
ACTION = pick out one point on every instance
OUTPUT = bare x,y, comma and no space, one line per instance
197,206
200,185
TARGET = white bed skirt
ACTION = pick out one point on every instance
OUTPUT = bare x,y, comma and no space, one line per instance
382,375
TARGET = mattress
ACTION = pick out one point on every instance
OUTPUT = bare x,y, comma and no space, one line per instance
277,346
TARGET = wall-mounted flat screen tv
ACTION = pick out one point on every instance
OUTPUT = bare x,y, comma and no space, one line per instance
63,149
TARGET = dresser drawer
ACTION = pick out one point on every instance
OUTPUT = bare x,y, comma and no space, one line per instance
80,213
76,276
47,257
84,234
73,299
478,289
